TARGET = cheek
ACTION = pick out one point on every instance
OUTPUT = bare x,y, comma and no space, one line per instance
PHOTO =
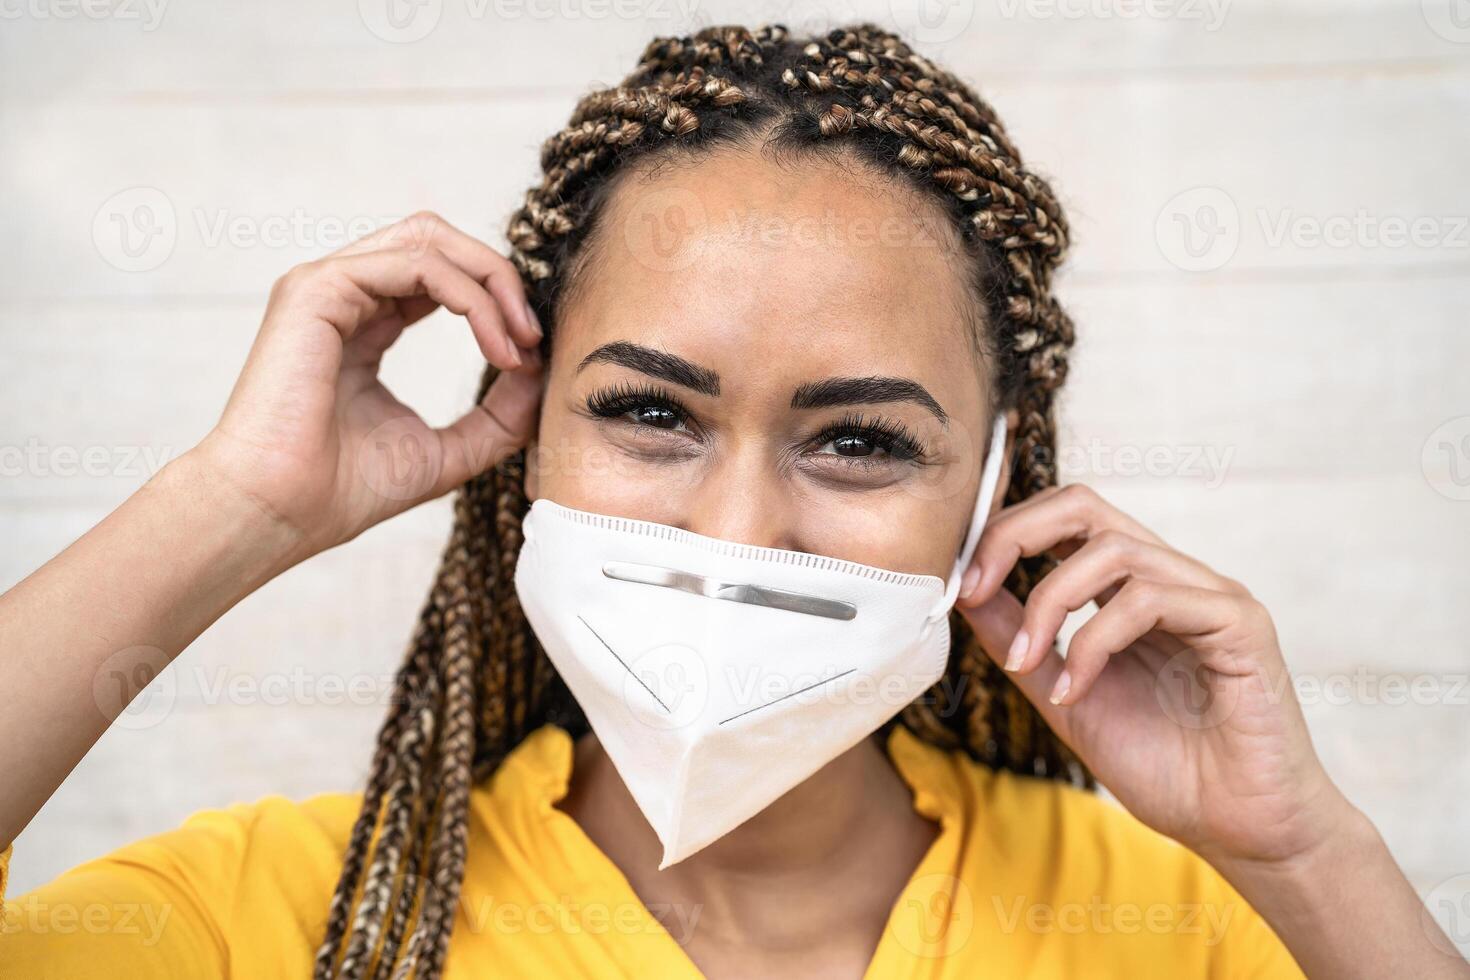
575,465
901,530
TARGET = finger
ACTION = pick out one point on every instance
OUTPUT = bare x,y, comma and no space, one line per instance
1093,573
1201,617
427,230
996,623
1040,524
398,273
501,423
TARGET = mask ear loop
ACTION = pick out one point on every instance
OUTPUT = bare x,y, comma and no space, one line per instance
988,480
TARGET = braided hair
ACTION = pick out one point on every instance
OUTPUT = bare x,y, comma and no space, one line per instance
476,681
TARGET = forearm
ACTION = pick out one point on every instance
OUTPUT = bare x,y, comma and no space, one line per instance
1346,910
83,634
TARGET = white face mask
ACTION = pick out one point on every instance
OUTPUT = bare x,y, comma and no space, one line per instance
719,675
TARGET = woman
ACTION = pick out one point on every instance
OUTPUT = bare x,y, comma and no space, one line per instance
787,285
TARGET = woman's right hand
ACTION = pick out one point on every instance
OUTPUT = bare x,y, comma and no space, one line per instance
310,451
314,439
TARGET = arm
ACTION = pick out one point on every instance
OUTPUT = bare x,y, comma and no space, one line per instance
310,451
83,634
1180,673
1345,909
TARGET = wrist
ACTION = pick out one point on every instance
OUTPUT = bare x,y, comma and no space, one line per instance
1314,891
251,544
1343,906
1341,835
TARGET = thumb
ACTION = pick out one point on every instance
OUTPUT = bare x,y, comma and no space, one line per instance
996,622
503,421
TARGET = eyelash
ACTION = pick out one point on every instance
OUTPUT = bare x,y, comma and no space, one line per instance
888,435
620,399
885,434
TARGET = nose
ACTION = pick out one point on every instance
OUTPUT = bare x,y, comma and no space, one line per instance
741,499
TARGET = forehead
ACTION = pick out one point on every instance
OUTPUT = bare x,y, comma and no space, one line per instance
797,269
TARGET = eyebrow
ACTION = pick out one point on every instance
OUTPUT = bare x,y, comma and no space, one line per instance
870,390
826,393
657,364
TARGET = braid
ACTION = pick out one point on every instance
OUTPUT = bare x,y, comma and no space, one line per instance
477,681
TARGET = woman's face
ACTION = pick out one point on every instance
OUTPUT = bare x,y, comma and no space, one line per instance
775,356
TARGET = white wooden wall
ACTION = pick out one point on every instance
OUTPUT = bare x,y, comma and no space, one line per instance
1302,399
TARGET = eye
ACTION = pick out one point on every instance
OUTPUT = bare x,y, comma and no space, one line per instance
872,442
854,445
655,415
640,404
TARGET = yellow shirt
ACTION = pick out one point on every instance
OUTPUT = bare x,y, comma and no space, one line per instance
1026,878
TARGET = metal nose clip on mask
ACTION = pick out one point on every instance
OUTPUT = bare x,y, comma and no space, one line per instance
719,675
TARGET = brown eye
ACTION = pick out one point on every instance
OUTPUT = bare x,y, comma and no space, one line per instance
656,415
853,446
868,442
640,405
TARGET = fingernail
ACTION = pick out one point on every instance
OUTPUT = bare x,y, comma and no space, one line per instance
515,355
970,581
532,319
1064,684
1017,654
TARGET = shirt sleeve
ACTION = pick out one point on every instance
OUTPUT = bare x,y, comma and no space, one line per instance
241,891
138,912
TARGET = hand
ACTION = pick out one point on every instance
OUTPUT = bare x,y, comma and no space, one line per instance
1174,693
310,434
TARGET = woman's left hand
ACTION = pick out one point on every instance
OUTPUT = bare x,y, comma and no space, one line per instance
1174,693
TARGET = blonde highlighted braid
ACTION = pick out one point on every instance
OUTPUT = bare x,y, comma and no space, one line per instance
476,681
